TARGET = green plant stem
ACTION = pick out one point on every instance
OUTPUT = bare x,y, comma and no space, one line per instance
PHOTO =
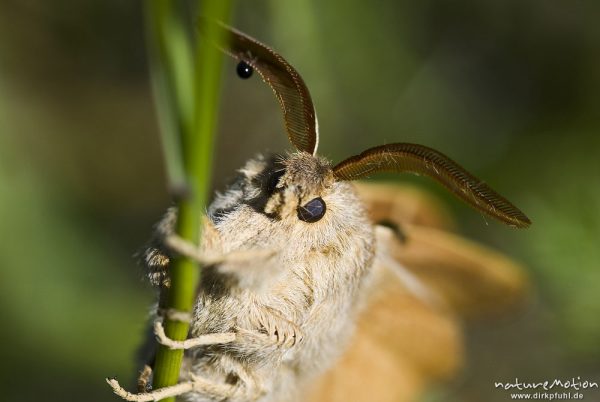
196,139
172,75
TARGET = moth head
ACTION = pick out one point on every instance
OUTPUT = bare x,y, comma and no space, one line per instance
297,186
303,177
292,199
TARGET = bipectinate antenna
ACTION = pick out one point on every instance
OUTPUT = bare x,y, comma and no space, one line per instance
289,88
418,159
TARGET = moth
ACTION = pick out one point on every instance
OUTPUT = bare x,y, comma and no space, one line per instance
314,288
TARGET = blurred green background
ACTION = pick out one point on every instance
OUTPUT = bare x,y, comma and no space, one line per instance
510,89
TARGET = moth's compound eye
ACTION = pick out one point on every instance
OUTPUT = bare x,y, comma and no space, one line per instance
312,211
274,180
244,70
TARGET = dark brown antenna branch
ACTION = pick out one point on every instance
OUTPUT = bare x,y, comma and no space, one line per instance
287,84
419,159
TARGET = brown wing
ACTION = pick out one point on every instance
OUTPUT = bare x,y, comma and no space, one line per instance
419,159
402,204
473,278
468,277
287,84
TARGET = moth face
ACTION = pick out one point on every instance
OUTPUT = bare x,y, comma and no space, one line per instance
296,186
297,192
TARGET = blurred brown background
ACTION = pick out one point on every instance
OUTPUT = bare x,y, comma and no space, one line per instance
510,89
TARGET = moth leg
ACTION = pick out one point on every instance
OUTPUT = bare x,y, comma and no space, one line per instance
254,388
209,339
156,256
248,387
191,251
143,382
271,329
155,395
205,387
196,384
284,332
157,265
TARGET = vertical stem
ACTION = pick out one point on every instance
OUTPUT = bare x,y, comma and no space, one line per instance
196,125
172,73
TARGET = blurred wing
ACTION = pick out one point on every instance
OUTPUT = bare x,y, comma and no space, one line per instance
471,277
399,204
418,159
287,84
466,276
